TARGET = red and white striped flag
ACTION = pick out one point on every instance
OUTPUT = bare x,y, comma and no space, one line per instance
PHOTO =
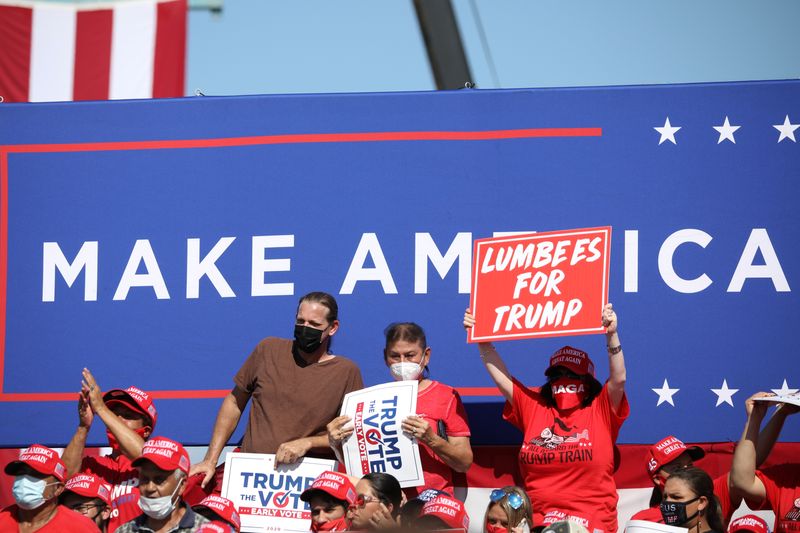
56,51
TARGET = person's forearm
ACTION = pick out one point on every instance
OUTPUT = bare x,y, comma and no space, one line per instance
456,456
73,453
768,436
497,369
319,443
130,443
743,468
616,369
338,452
227,420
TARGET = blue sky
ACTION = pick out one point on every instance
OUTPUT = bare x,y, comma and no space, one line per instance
270,47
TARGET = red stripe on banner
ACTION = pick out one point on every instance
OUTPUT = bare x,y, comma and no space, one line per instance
3,256
92,55
311,138
72,396
169,64
15,52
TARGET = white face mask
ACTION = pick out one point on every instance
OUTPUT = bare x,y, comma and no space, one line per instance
406,371
158,508
28,491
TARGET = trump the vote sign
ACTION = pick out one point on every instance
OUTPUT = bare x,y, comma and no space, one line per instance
540,284
378,443
266,495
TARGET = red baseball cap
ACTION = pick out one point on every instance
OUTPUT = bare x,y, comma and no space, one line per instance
165,453
448,510
42,459
333,483
667,450
223,508
749,522
89,486
135,398
573,359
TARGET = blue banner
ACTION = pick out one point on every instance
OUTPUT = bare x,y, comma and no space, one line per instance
156,242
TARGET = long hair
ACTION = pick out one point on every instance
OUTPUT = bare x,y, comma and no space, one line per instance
515,516
701,484
387,488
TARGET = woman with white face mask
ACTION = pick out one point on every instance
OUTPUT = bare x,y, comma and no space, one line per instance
440,425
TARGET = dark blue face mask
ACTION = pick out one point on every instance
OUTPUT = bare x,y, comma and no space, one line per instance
674,513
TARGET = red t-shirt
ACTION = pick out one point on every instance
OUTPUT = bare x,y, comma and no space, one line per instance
567,462
721,491
439,402
782,483
64,521
124,481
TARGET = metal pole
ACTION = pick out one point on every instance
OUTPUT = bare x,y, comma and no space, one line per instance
443,43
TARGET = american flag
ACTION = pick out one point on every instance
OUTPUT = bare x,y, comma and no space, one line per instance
60,51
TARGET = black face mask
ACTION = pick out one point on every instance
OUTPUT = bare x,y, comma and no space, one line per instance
307,339
674,513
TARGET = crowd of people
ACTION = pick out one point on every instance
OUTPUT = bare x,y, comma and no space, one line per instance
566,460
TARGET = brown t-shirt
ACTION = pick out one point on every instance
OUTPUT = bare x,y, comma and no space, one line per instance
290,401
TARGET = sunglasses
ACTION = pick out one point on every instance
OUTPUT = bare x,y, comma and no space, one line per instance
513,499
362,500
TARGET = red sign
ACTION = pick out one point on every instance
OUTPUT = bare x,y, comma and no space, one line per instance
540,284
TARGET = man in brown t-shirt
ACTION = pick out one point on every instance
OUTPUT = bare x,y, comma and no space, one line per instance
297,387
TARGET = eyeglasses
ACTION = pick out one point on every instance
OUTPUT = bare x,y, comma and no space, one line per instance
513,499
84,508
362,500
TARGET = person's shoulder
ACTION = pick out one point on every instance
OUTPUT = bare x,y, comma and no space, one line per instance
270,347
720,481
274,342
343,362
534,392
93,463
651,514
132,526
441,389
781,473
191,521
8,515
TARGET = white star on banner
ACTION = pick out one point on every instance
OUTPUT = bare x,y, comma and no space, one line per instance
665,394
784,390
786,129
724,395
726,131
667,132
